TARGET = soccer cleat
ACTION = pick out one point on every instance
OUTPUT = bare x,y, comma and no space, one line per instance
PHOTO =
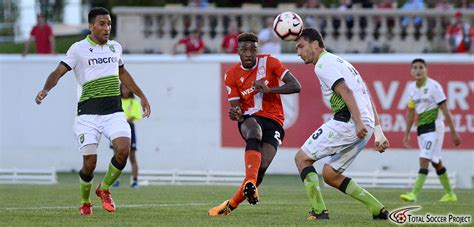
222,210
449,197
383,215
251,192
134,185
107,202
408,197
86,209
321,216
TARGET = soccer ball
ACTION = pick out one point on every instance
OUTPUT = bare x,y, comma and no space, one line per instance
288,26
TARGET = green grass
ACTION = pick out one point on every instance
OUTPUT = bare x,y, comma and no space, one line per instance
62,45
283,202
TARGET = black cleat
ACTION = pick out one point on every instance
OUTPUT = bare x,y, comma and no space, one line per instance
251,193
322,216
383,215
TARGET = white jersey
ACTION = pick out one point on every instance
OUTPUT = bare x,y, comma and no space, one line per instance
331,70
426,100
96,68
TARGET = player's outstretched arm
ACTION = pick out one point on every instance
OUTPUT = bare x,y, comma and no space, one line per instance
127,79
410,120
52,80
348,96
292,85
449,120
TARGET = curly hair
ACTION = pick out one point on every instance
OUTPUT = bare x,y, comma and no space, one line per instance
247,36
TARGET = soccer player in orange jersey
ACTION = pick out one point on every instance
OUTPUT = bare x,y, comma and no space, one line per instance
253,90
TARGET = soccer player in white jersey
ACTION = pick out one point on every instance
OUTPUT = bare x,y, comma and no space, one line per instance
99,69
342,138
426,98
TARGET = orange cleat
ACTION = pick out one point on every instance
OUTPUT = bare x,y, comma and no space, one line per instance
222,210
107,201
86,209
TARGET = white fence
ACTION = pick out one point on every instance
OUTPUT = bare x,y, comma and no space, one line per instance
180,177
379,179
28,176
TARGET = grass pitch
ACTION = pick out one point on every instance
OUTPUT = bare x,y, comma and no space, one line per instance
283,201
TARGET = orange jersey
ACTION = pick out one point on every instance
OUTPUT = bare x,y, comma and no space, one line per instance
239,81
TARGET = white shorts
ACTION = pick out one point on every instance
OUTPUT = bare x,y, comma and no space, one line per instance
89,128
339,141
431,145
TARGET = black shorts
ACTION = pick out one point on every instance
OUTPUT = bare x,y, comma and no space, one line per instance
273,133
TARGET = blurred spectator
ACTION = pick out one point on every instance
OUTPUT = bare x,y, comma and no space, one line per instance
385,5
268,40
365,4
312,21
459,35
444,6
230,44
465,4
43,36
344,5
193,43
198,3
412,5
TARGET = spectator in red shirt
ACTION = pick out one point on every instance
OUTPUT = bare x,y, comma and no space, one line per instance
43,36
460,35
193,42
230,44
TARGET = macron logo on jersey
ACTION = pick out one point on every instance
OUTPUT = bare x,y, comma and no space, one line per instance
95,61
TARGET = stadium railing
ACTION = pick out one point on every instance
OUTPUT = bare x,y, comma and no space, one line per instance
182,177
379,179
28,176
156,29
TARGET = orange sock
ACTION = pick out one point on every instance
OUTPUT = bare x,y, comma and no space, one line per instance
237,198
252,164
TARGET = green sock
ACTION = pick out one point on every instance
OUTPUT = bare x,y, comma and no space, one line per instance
85,191
420,181
443,178
311,183
358,193
112,174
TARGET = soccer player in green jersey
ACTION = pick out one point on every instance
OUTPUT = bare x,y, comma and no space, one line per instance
343,137
99,69
426,99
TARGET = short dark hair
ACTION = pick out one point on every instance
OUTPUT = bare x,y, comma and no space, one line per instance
311,34
421,60
247,36
96,11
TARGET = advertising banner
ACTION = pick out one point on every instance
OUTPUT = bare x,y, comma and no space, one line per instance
387,82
